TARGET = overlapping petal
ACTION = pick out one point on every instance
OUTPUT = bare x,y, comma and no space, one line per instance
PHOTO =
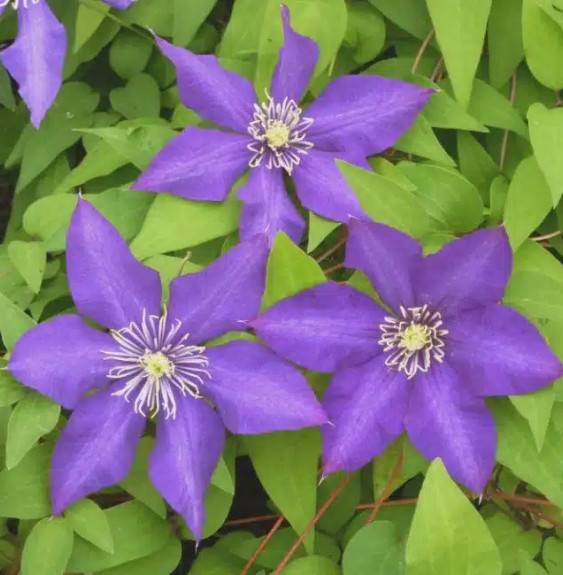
96,448
36,58
322,188
185,454
297,61
107,283
120,4
467,273
62,359
387,257
267,207
198,164
497,351
256,392
446,421
366,405
214,93
217,299
324,328
367,113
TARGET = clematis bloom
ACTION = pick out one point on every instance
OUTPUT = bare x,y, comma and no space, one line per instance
36,58
426,364
155,364
354,117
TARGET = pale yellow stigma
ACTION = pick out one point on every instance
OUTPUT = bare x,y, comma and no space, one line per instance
415,337
277,134
156,365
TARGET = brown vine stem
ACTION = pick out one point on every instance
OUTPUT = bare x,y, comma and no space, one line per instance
540,515
333,268
262,545
546,236
312,524
334,248
421,51
437,69
504,144
387,489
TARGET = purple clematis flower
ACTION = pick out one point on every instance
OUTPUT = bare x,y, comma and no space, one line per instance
354,117
154,364
36,58
424,366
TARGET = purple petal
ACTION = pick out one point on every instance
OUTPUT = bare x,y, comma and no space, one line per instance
497,351
296,63
256,392
185,454
267,207
62,359
325,328
221,297
386,256
445,421
369,113
466,273
366,405
96,448
35,60
107,283
120,4
214,93
322,188
198,165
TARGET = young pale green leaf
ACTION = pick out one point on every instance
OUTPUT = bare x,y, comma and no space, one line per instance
313,565
289,271
90,522
156,15
387,202
460,30
553,555
527,203
410,15
449,199
286,464
513,542
319,229
29,258
546,134
128,103
24,490
543,43
535,294
13,322
475,163
88,20
365,32
447,534
536,408
207,221
188,17
11,390
504,36
129,53
517,449
530,567
47,548
34,416
374,549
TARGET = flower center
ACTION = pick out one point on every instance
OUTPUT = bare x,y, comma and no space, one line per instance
279,134
413,340
154,363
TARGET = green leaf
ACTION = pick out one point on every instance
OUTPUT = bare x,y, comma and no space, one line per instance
129,53
165,228
553,555
90,522
88,20
475,163
447,534
313,565
387,202
460,30
410,15
136,532
449,199
13,322
517,449
33,417
319,229
546,134
11,390
286,464
497,200
6,95
527,203
289,271
536,408
374,549
512,541
188,17
343,507
504,37
535,294
365,32
215,562
29,258
543,44
128,103
24,492
530,567
47,548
